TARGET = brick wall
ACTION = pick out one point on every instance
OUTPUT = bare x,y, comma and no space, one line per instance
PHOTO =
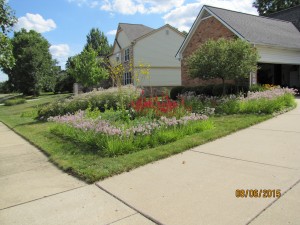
209,28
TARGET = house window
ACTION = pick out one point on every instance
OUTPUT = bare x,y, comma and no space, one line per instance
127,58
118,57
127,79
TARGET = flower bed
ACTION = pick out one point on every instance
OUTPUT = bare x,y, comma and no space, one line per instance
106,99
111,140
269,101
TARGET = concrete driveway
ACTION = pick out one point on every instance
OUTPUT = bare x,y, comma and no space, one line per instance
195,187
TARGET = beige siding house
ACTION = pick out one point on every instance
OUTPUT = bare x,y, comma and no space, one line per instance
136,43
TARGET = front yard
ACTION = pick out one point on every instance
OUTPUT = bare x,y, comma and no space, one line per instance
79,144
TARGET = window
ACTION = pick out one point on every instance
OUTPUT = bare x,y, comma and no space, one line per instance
127,79
127,58
118,57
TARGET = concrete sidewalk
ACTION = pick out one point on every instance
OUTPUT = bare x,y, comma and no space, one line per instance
195,187
34,192
198,186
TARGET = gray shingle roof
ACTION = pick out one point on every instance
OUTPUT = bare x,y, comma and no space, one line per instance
134,31
260,30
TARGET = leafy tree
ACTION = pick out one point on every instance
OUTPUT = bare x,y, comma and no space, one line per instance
7,20
34,68
184,33
98,41
266,7
87,68
224,59
64,82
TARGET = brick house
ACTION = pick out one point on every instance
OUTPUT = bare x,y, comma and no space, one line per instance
136,43
277,42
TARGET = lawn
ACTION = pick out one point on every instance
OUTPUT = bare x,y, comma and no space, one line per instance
80,161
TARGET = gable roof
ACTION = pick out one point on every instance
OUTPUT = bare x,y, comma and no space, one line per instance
134,31
158,29
255,29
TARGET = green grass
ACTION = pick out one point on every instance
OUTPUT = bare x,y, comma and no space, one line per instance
80,161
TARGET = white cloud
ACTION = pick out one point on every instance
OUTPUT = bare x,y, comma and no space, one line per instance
183,17
61,52
35,22
131,7
111,32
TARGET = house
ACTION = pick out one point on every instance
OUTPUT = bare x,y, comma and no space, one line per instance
292,14
136,43
277,42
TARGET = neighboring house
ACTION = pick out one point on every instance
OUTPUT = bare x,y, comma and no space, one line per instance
292,14
136,43
277,42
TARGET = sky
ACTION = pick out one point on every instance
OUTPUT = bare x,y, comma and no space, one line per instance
65,23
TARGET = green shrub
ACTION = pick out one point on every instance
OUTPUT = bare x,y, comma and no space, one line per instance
106,99
256,88
111,146
175,91
14,101
208,90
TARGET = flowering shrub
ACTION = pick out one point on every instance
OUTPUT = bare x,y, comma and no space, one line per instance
155,108
105,99
111,140
268,101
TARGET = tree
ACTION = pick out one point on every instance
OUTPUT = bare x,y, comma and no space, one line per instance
98,41
87,68
34,68
7,20
224,59
266,7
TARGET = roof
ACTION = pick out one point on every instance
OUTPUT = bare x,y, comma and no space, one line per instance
259,29
255,29
134,31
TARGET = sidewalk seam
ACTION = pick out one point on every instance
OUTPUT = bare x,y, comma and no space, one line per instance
269,205
122,218
46,196
243,160
130,206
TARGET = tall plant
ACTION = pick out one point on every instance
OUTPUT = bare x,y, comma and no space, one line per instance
224,59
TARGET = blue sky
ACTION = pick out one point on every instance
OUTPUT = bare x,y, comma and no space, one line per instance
65,23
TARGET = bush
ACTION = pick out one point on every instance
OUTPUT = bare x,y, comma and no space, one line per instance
106,99
64,83
208,90
256,88
14,101
4,87
107,139
175,91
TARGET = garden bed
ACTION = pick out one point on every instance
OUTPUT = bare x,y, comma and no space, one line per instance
78,150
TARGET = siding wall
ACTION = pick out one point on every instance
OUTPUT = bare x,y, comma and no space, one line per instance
159,48
278,56
162,77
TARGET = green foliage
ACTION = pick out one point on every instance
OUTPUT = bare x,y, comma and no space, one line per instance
256,88
175,92
4,87
64,82
102,100
224,59
215,90
14,101
97,41
34,68
111,146
266,7
87,68
7,20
